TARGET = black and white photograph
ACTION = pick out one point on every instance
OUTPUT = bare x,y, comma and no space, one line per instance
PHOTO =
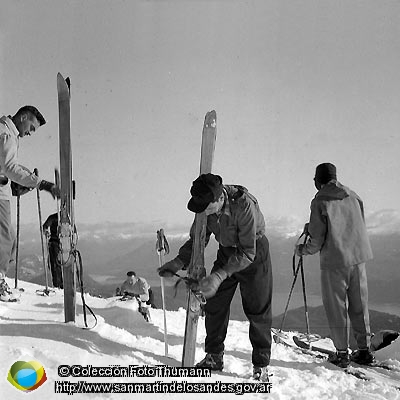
200,198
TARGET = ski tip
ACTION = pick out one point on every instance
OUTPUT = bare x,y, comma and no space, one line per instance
211,114
210,120
67,80
63,85
60,82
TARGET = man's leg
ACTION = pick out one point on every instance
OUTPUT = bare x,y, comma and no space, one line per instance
358,306
256,291
334,294
53,252
7,238
217,310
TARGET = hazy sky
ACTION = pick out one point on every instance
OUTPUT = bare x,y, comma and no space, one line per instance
294,83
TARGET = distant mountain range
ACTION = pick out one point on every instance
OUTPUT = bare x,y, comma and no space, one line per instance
109,251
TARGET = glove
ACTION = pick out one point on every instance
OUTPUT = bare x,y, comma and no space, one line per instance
49,187
299,250
210,284
19,190
126,293
170,268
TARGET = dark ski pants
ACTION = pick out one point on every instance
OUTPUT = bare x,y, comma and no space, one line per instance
345,292
256,292
55,264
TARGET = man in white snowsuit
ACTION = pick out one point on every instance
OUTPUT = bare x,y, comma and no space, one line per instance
337,230
243,258
24,123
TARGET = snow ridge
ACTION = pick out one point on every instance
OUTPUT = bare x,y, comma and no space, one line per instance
34,329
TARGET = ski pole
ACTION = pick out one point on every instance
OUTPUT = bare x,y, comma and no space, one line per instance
17,243
295,273
46,291
163,248
308,335
303,281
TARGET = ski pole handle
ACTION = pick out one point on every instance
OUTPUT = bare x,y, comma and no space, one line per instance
162,244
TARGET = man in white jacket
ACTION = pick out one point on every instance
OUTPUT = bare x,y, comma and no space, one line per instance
25,122
138,287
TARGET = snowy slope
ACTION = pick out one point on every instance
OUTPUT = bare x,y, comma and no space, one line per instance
34,329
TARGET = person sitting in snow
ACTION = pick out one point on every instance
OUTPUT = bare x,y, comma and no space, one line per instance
139,288
243,258
337,230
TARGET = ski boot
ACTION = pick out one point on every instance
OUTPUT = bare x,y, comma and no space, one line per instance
212,361
340,359
260,374
5,292
363,357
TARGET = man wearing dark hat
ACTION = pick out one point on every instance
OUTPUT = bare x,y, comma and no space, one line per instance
235,219
337,230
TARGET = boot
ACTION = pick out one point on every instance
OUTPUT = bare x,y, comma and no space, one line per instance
363,357
260,374
340,359
212,361
5,291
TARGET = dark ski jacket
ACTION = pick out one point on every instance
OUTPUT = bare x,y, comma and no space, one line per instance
337,227
51,223
239,225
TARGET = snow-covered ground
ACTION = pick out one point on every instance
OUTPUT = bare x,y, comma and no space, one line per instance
34,329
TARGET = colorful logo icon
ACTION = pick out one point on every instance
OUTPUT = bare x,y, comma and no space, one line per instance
27,376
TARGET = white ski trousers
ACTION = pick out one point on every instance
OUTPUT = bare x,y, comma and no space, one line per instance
7,236
345,296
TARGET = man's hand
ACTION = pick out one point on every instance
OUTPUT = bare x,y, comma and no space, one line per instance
299,250
170,268
19,190
210,284
50,187
136,296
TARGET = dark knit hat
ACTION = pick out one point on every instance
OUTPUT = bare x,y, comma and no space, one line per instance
206,189
325,172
